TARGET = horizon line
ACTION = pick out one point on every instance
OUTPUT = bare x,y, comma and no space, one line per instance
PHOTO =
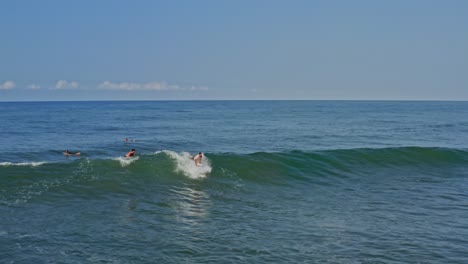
253,100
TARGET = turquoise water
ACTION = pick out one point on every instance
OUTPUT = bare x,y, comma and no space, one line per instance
282,182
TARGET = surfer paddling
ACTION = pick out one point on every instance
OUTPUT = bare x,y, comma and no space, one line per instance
198,159
130,153
68,153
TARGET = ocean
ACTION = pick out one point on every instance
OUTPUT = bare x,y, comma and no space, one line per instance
281,182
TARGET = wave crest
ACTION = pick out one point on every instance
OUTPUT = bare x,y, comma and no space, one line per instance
124,162
186,165
32,164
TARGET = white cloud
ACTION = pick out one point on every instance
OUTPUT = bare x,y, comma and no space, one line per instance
129,86
62,84
198,88
150,86
34,87
7,85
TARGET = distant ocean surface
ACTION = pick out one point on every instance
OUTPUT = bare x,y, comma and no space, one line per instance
281,182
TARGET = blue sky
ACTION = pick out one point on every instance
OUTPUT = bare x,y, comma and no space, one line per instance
195,50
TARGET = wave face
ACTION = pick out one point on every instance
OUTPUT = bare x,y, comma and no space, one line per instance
260,167
289,206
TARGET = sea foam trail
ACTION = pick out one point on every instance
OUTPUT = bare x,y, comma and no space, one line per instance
187,166
124,162
32,164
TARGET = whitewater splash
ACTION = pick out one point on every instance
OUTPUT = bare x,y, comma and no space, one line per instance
186,165
124,162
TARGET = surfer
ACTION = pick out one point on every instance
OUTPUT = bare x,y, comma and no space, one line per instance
67,153
198,159
130,153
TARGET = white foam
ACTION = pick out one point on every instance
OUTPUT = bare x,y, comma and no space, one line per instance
124,162
33,164
187,166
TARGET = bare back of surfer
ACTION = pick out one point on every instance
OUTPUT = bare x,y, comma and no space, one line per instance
68,153
130,153
198,159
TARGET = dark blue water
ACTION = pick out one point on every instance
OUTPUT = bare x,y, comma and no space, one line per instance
98,128
282,181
